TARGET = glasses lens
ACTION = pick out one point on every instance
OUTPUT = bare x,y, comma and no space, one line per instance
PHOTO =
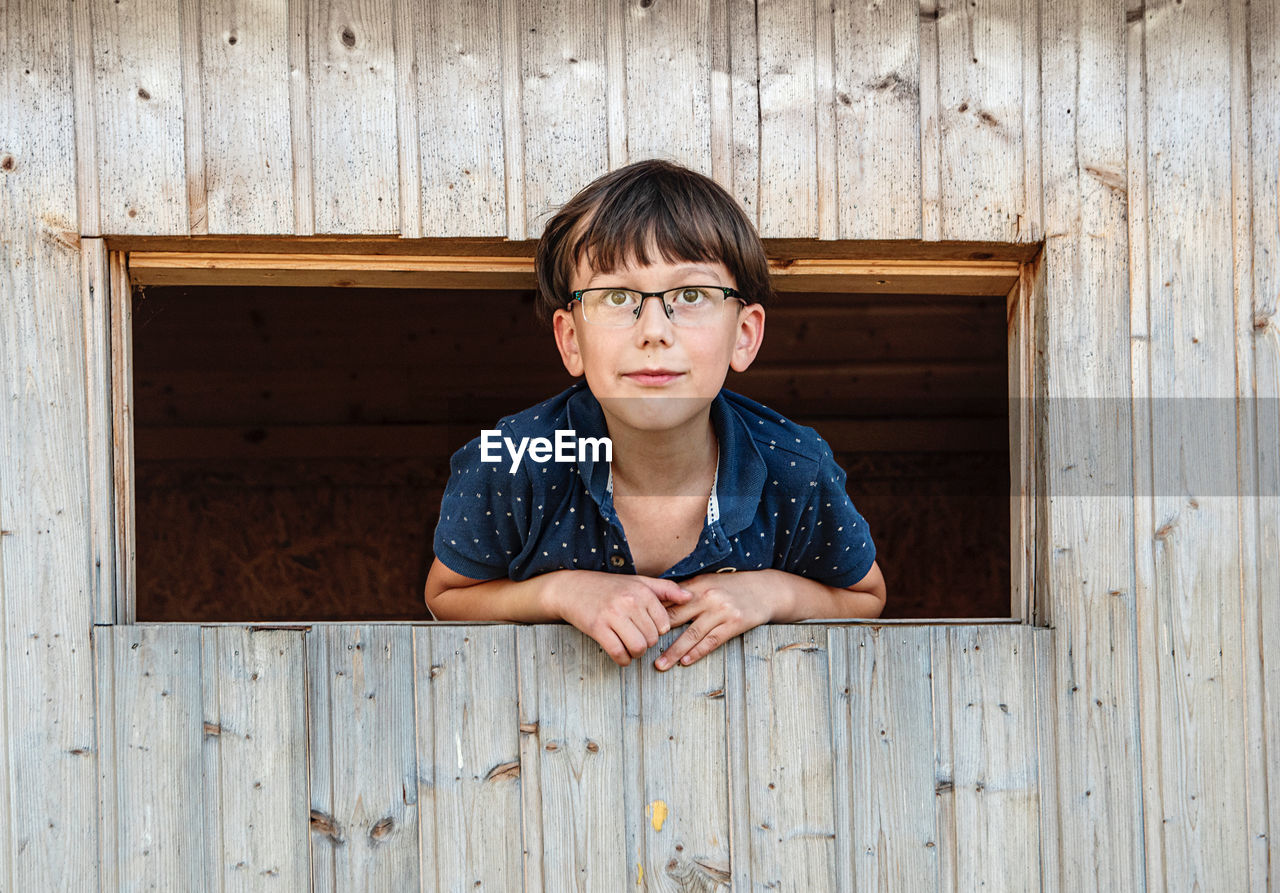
694,305
610,306
690,305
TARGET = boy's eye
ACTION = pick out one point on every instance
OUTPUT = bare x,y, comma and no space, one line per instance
616,298
690,295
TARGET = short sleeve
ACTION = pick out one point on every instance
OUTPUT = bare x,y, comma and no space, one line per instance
834,544
484,515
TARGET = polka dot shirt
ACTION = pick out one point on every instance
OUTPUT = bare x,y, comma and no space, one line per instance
780,498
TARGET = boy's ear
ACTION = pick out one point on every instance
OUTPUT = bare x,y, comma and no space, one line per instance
566,331
750,335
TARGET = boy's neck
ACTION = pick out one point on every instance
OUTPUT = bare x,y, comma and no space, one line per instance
676,462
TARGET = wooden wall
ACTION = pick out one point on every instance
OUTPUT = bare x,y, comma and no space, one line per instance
1136,139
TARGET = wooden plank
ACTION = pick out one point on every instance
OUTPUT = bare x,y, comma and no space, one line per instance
471,812
103,640
138,103
300,116
744,106
944,760
878,89
931,170
88,204
667,80
789,766
1249,507
1264,66
122,425
572,754
828,209
96,314
364,821
563,114
351,53
47,605
255,734
996,771
736,719
1085,537
788,201
811,274
241,98
513,121
461,143
193,117
882,742
158,726
405,38
980,78
1044,714
676,747
1190,665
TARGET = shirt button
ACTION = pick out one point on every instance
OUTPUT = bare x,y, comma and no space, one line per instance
617,560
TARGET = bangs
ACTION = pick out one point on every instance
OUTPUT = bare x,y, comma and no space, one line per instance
640,227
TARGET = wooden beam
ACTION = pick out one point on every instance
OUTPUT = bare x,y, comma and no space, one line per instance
891,276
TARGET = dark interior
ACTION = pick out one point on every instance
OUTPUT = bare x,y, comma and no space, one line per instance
292,445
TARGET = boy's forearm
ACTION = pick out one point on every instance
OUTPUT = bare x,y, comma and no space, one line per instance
803,599
523,601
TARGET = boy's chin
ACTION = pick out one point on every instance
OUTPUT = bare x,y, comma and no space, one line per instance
659,412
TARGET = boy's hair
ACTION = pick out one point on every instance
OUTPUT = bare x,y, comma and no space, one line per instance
686,215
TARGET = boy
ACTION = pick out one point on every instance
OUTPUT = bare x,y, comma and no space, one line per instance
712,509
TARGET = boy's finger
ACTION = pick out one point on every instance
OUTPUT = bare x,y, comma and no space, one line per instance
669,591
679,648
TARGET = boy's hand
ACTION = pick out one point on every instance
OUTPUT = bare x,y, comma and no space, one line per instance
625,613
723,606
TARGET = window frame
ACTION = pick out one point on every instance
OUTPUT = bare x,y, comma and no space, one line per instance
989,269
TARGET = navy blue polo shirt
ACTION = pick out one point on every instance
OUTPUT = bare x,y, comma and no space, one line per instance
781,501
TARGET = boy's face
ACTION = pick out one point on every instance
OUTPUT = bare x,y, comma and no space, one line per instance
655,375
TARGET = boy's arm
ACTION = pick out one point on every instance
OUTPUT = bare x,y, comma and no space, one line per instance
727,605
625,613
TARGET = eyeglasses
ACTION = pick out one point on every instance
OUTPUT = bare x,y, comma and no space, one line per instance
686,305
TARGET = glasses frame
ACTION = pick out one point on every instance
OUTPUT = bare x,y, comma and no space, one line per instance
645,295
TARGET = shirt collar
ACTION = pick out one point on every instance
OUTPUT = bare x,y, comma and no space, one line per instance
741,472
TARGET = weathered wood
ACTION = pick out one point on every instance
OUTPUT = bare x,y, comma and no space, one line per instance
47,580
1194,757
138,106
788,199
877,101
1249,507
572,753
563,111
675,748
154,675
363,756
351,53
980,78
468,742
99,427
995,769
790,803
255,745
804,274
459,54
881,720
744,105
1083,570
123,420
667,65
1264,189
241,95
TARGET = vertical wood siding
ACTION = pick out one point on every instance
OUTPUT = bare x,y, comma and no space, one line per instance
1141,149
521,758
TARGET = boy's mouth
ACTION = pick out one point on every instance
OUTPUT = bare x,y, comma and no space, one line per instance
650,377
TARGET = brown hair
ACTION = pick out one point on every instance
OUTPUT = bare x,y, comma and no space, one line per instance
686,215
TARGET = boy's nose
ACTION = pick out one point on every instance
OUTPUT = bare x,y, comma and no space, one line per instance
653,324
